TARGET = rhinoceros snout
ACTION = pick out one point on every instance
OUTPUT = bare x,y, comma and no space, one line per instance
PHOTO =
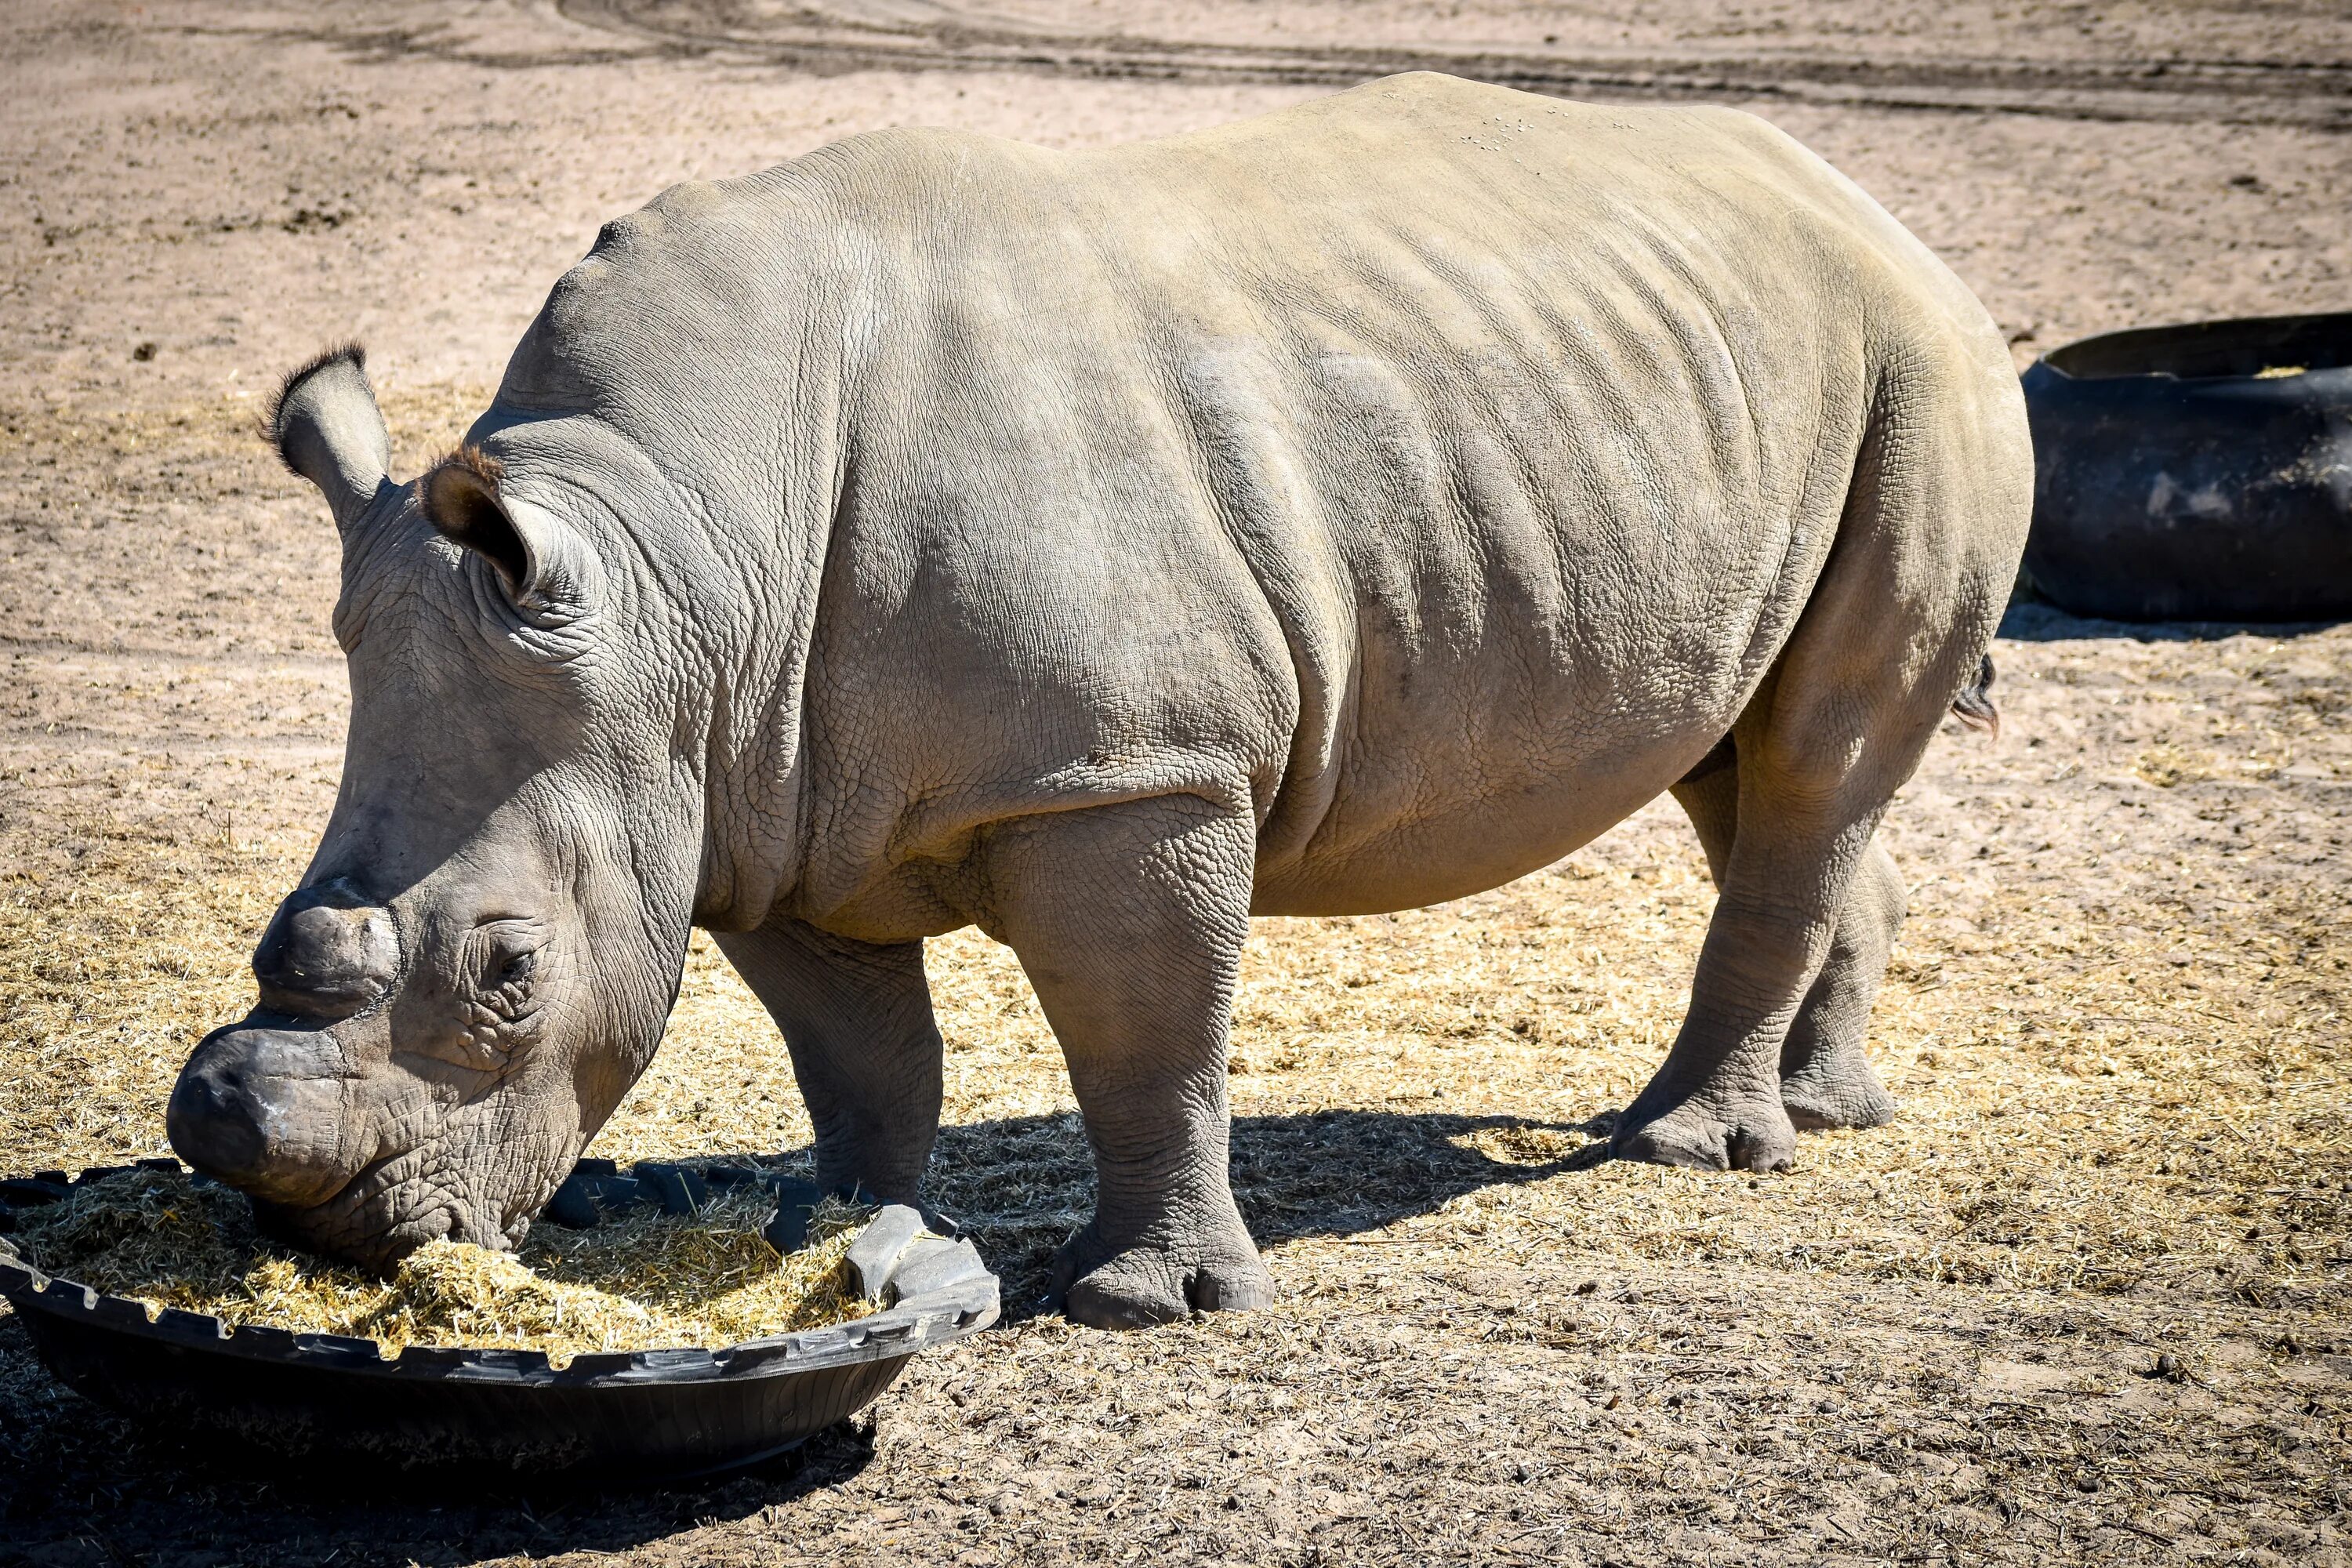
329,954
257,1107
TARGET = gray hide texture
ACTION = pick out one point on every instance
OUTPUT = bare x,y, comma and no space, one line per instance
1341,510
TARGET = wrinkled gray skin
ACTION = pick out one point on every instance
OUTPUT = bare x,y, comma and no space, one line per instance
1338,511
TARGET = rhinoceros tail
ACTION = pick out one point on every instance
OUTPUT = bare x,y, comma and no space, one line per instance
273,419
1973,706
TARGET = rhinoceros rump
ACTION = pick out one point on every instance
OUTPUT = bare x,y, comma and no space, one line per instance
1338,511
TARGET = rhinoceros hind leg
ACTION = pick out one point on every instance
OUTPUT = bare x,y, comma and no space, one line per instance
1804,828
1895,625
1825,1079
1130,921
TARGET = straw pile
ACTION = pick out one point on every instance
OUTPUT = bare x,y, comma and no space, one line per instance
642,1280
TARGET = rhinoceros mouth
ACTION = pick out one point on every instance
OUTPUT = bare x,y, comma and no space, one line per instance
367,1221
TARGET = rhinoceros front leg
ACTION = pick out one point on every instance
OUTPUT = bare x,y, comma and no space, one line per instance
1130,922
856,1018
1826,1080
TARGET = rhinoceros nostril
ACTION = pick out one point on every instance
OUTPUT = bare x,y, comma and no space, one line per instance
214,1125
326,954
261,1107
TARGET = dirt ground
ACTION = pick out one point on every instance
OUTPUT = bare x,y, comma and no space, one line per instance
2117,1019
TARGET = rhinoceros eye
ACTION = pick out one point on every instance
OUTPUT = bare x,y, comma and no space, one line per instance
507,962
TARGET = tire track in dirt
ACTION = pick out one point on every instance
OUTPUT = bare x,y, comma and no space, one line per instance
180,661
20,747
910,34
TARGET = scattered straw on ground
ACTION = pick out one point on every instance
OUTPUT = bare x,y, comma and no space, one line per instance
643,1280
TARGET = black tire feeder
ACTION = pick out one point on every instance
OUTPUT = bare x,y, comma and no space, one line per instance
2175,479
332,1400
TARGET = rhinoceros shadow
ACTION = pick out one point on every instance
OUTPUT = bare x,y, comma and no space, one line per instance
1019,1185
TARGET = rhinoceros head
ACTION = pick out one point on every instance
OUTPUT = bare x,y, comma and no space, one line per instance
480,959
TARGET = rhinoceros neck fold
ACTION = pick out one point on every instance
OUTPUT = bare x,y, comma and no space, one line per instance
712,333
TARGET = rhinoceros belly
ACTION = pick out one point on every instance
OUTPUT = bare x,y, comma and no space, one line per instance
1524,583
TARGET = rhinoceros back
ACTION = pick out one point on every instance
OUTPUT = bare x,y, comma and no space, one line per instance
1433,468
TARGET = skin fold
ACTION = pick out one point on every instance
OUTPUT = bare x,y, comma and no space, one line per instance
1338,511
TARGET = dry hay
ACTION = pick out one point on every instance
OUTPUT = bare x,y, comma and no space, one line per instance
642,1280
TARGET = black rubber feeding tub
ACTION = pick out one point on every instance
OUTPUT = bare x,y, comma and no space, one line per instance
2200,472
650,1415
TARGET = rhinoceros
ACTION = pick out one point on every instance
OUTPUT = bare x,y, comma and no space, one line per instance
1342,511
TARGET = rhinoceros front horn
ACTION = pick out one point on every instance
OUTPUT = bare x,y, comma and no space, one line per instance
327,429
329,952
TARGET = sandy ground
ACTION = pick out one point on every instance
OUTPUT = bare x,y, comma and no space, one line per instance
2117,1019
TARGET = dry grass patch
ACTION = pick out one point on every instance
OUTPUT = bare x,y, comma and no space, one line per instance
112,967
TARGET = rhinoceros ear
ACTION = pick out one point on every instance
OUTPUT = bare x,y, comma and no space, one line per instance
460,494
326,427
546,569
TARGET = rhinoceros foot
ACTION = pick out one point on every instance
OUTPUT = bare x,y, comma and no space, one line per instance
1837,1088
1705,1133
1141,1286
